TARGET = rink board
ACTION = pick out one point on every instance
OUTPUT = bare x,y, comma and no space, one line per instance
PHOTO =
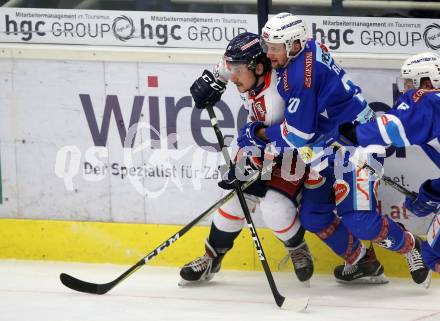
121,243
66,151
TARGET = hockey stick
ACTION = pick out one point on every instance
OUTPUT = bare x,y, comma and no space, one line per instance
281,301
95,288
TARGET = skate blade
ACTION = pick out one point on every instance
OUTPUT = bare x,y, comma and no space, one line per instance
298,305
186,283
375,280
306,284
427,282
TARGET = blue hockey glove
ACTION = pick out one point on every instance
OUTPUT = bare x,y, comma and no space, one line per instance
248,135
206,90
427,201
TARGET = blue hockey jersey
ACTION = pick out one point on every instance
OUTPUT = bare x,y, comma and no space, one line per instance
414,121
318,96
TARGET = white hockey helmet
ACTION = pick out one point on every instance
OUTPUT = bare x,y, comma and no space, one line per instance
285,28
422,65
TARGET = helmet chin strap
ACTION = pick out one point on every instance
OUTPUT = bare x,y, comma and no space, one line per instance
289,57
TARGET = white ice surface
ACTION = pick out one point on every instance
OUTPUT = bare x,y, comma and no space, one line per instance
31,291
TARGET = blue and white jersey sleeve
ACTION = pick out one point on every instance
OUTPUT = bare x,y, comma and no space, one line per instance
409,123
414,121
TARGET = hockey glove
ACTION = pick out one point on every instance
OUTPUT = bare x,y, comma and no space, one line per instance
241,171
236,172
248,135
347,133
427,201
206,90
344,134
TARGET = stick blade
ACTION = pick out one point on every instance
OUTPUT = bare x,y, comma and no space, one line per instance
83,286
298,305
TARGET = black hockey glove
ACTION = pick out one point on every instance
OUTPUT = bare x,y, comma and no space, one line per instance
241,171
348,131
206,90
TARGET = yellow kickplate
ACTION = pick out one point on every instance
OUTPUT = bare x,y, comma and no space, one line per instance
121,243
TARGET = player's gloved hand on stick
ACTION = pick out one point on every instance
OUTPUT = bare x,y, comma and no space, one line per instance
248,135
427,201
347,133
242,170
344,134
206,90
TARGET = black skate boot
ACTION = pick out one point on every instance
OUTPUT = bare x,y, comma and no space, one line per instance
367,270
203,268
420,273
302,261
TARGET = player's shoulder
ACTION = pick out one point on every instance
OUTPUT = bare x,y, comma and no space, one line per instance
301,64
417,102
418,96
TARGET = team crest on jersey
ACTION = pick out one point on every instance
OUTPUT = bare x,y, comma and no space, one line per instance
285,81
312,183
308,69
342,189
259,109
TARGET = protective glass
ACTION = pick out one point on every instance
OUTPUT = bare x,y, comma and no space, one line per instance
236,68
221,71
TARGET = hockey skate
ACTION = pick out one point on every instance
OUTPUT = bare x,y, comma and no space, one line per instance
302,261
420,273
203,268
368,270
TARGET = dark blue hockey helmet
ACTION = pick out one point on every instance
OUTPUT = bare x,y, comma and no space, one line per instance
245,48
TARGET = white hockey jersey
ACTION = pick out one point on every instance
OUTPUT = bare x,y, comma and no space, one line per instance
266,105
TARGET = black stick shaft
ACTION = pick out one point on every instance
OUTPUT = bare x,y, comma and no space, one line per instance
392,183
95,288
279,299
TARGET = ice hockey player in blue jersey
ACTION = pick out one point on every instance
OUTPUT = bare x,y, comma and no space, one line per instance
415,120
319,96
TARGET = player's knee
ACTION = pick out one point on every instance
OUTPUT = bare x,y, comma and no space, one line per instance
227,222
280,215
316,222
366,225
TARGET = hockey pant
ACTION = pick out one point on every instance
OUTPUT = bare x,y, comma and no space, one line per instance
279,213
343,211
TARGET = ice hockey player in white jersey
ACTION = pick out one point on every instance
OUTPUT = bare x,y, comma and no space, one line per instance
415,120
245,65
